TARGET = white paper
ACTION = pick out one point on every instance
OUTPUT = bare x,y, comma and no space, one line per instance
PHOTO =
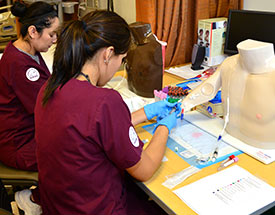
48,57
185,71
132,100
230,191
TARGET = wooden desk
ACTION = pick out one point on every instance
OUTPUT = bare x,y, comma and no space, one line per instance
165,197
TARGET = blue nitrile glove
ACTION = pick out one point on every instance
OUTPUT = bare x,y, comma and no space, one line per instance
161,109
170,121
164,114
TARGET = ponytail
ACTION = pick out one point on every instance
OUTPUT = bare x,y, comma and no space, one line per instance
79,41
69,56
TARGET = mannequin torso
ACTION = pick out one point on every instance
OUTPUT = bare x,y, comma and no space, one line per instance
249,80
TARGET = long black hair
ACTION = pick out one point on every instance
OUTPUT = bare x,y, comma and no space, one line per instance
79,41
38,14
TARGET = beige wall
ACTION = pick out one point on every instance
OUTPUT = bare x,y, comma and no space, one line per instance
126,9
262,5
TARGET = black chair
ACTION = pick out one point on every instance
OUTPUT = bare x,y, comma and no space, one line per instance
15,178
5,206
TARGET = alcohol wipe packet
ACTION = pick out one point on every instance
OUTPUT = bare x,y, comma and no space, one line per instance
177,178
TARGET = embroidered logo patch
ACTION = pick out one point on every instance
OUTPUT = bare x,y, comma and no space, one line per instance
32,74
133,137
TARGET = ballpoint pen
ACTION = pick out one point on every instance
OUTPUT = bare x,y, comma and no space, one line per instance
234,160
216,150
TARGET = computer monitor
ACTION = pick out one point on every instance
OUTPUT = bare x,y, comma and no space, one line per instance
248,24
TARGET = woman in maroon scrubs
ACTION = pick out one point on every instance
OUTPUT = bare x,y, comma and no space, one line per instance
22,73
85,133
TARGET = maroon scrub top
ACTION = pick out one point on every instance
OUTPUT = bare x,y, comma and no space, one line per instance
21,78
85,141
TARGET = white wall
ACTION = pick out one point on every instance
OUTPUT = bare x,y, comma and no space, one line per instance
262,5
125,8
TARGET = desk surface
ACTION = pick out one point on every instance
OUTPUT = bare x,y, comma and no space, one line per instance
165,197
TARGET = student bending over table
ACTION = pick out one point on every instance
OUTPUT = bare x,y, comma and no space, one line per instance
85,133
22,73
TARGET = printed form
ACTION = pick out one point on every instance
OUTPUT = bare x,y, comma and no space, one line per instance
231,191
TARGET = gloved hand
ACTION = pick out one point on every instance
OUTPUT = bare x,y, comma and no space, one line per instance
161,109
170,121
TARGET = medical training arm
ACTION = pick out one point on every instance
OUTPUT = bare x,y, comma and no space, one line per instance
204,92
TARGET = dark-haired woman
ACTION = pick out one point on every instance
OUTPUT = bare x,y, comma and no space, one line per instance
22,73
85,133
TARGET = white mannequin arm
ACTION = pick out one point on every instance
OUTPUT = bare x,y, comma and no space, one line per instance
204,92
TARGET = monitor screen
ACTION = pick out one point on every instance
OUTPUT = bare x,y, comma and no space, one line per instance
248,24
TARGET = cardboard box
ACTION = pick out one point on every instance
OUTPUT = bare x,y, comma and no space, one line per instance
211,34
